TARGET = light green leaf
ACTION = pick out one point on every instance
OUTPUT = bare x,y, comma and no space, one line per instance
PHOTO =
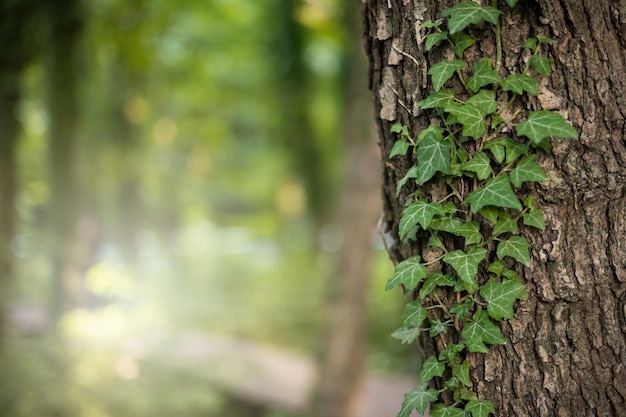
480,408
441,99
467,13
433,154
399,128
527,170
414,313
436,279
461,372
443,71
407,334
497,267
480,331
399,148
482,74
500,297
516,247
530,43
534,218
505,225
431,368
472,119
484,100
442,410
433,38
511,3
412,173
408,273
429,24
497,192
540,64
490,213
466,264
421,212
418,399
480,164
545,39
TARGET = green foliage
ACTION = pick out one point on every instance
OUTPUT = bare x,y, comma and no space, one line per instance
475,137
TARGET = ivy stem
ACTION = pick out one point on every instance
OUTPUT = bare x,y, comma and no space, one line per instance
443,307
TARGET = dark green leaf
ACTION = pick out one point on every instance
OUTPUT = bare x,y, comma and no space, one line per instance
436,327
481,331
527,170
484,100
441,99
446,224
511,3
540,64
436,279
399,148
421,212
397,128
490,213
514,151
433,154
412,173
500,297
442,410
461,42
534,218
461,372
418,399
414,313
443,71
461,309
529,84
472,119
511,83
479,408
467,13
450,354
545,39
516,247
497,192
471,232
531,43
482,74
429,24
480,164
431,368
433,38
409,273
496,267
497,150
505,225
466,264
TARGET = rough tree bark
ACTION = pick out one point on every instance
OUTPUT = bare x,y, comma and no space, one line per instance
566,350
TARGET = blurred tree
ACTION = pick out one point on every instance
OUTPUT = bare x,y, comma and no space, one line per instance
17,35
65,23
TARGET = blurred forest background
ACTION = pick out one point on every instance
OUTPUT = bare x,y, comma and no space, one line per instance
177,175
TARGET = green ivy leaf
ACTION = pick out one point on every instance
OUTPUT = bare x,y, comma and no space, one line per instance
461,309
441,99
490,213
472,119
433,38
545,39
429,24
497,150
443,71
433,154
482,74
471,232
466,264
442,410
500,297
514,150
437,327
529,84
421,212
418,399
480,164
431,368
414,313
516,247
484,100
436,279
504,225
511,83
497,267
407,334
450,354
399,148
534,218
480,408
409,273
481,331
461,372
511,3
540,64
497,192
531,43
461,42
527,170
411,173
467,13
446,224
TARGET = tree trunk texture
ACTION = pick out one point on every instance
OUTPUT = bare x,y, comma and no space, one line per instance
566,350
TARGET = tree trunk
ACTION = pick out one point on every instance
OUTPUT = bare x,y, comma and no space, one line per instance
566,348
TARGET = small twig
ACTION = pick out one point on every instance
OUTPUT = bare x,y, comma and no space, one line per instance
389,3
406,55
399,100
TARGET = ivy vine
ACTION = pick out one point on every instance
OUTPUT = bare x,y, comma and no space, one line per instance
475,135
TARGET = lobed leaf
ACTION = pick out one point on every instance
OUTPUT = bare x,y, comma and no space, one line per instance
433,155
540,64
443,71
461,42
496,192
418,399
479,164
480,408
411,173
534,218
527,170
467,13
421,212
504,225
461,372
414,313
472,119
442,410
485,100
399,148
408,273
407,334
433,38
482,74
516,247
441,99
435,279
481,331
500,297
466,264
431,368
